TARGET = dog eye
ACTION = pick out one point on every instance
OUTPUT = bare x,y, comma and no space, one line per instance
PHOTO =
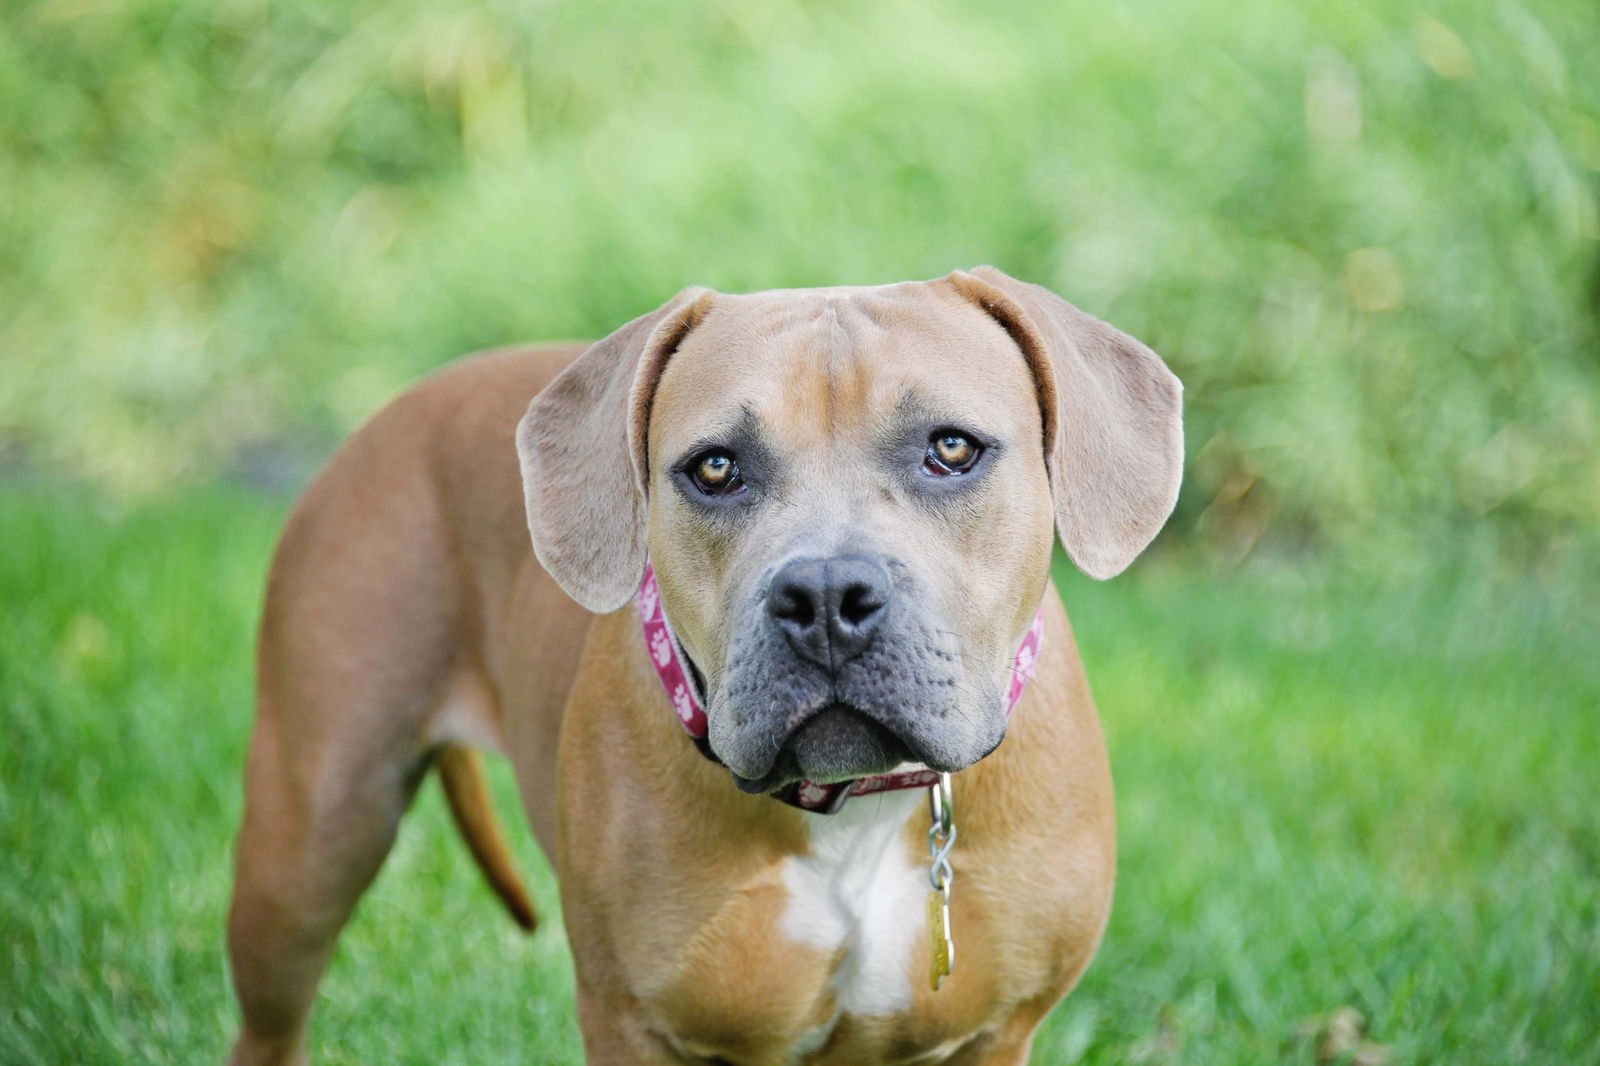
950,452
716,474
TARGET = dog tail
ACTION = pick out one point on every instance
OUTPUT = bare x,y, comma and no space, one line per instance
461,772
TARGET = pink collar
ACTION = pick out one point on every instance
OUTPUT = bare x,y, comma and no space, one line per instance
669,662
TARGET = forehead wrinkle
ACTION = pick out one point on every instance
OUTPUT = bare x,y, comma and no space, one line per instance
849,368
821,382
838,340
814,368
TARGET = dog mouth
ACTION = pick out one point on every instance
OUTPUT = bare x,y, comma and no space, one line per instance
837,743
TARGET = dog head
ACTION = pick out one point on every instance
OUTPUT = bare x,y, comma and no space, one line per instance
848,496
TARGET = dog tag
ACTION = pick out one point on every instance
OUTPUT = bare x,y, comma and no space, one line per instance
944,948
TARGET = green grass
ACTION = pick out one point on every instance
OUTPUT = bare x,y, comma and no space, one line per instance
1333,791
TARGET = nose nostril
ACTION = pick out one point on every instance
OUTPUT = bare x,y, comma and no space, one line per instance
793,605
859,603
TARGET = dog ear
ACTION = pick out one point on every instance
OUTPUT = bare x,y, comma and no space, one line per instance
581,446
1113,420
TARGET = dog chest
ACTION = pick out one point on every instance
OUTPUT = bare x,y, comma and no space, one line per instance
859,895
822,960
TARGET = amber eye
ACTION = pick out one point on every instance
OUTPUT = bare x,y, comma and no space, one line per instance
716,474
950,453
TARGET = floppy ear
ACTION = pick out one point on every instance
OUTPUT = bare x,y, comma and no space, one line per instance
581,446
1113,420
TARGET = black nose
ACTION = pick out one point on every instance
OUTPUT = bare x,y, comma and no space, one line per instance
829,608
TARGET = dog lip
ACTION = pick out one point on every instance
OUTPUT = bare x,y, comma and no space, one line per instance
835,742
762,769
758,786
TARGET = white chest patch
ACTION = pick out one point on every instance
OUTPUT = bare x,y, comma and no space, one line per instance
859,889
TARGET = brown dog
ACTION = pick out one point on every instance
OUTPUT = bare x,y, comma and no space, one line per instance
847,496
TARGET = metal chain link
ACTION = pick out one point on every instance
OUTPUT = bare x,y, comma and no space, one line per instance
941,834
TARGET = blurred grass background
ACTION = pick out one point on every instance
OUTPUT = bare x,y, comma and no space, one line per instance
1352,701
1365,235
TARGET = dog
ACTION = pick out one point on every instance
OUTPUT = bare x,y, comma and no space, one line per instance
826,518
